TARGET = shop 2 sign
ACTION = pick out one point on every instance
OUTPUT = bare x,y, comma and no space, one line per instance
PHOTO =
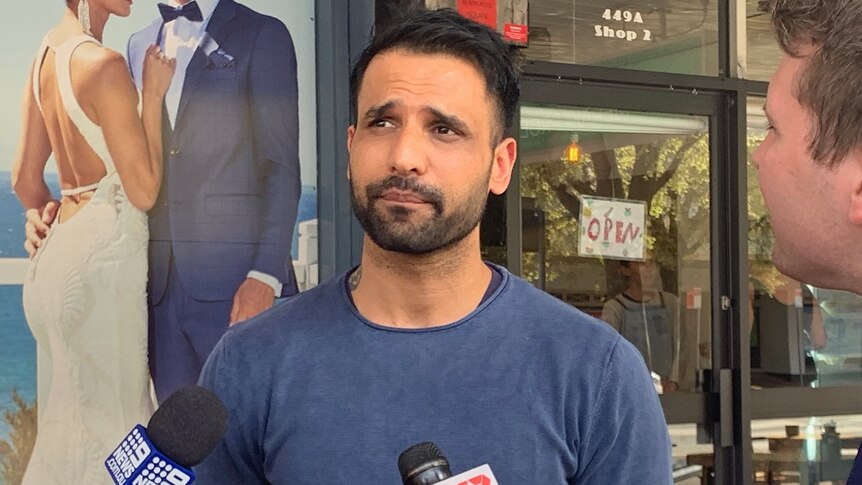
610,29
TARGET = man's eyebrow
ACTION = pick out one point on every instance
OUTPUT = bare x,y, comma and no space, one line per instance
451,120
378,111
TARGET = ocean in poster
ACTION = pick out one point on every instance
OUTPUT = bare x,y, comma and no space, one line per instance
17,347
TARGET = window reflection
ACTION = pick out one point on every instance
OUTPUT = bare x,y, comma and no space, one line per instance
656,35
648,317
805,450
586,169
763,54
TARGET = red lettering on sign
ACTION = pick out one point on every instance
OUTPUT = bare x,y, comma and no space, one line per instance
482,11
516,32
593,229
630,233
609,226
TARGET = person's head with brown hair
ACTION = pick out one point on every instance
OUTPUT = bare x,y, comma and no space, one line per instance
810,164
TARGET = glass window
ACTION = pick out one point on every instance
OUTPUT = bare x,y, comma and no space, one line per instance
679,36
763,53
790,450
616,222
801,335
805,450
693,454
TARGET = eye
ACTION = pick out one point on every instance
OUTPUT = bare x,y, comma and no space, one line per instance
380,123
445,130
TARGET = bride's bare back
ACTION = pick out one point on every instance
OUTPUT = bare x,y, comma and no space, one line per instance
102,86
77,164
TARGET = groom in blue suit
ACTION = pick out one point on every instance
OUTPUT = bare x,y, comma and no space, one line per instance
221,230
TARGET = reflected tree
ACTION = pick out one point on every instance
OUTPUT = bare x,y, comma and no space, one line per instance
670,175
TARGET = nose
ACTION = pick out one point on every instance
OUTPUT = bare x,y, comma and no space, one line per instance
409,151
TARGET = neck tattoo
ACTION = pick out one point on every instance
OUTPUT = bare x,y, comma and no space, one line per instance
354,279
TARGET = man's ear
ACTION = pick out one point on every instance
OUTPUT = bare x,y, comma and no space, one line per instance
505,155
855,211
351,131
849,182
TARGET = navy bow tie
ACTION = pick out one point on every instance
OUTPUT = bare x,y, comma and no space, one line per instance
190,11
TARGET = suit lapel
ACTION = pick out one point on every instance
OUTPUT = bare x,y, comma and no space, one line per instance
223,13
136,51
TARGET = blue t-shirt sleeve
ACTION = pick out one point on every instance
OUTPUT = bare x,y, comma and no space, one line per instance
235,458
626,439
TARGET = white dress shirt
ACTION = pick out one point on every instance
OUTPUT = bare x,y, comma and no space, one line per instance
180,39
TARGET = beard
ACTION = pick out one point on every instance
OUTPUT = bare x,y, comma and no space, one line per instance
403,230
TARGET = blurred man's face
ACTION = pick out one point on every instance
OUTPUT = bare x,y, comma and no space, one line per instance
643,273
807,203
422,154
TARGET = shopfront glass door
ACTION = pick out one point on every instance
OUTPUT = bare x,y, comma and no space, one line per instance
616,220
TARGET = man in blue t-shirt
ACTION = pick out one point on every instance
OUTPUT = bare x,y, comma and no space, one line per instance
424,341
810,164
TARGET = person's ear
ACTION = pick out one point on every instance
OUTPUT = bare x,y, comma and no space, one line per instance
850,173
505,154
855,210
351,132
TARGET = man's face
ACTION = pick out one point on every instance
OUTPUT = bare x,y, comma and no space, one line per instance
644,273
808,204
422,153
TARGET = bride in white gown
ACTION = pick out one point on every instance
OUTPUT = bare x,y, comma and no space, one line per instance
85,291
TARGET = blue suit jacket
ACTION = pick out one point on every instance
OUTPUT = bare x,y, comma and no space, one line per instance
231,186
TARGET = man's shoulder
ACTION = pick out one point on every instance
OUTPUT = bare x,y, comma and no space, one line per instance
259,19
148,33
548,311
565,333
293,320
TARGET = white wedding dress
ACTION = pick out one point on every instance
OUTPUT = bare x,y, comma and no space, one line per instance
85,302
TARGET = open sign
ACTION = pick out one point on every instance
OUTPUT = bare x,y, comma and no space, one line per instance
612,228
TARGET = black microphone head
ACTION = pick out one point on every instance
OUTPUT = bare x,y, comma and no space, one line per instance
423,463
188,425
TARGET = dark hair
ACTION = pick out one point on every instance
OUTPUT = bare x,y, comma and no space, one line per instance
447,32
829,85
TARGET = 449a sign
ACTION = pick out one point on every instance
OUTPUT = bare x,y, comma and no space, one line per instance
623,16
612,30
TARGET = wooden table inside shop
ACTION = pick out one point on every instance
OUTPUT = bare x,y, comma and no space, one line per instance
784,466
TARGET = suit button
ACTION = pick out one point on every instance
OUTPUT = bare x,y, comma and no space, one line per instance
174,152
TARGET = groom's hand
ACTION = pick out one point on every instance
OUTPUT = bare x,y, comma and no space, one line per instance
252,297
37,224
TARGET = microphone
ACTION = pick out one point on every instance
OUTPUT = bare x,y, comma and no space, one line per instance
424,464
181,433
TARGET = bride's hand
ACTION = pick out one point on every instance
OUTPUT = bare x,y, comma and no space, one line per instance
158,71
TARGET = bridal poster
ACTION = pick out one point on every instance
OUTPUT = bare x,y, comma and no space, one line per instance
240,194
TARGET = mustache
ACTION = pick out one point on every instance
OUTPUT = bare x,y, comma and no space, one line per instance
430,194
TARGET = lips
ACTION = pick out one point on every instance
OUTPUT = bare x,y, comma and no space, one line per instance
403,197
